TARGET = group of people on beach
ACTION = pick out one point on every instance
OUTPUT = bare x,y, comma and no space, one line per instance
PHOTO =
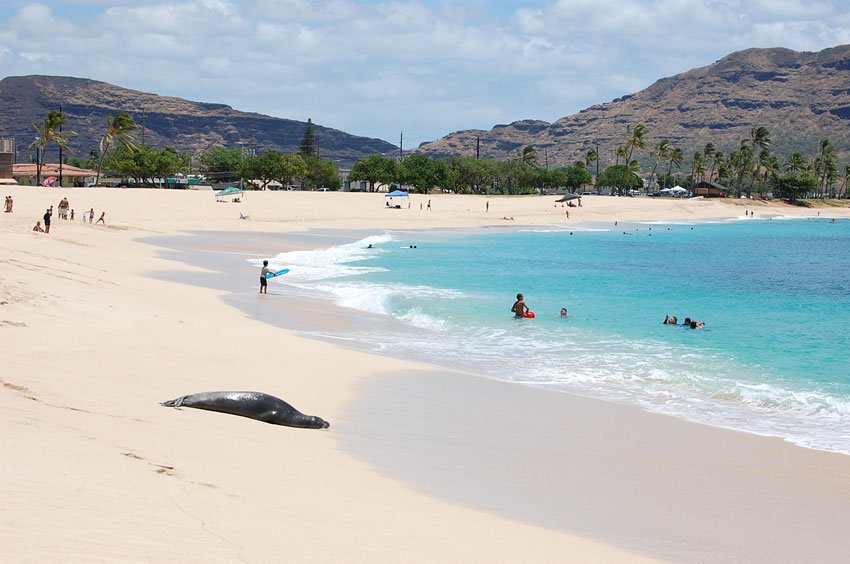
691,323
10,203
64,211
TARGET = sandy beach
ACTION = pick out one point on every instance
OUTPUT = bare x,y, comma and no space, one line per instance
98,325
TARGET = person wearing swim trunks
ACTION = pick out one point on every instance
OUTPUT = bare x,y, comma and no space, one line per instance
264,282
519,308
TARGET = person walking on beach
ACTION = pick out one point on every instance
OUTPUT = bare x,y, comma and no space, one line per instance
91,215
9,204
487,206
264,282
100,219
429,205
46,219
519,308
72,215
63,208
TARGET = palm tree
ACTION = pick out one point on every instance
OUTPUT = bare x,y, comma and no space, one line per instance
697,168
721,164
591,157
661,153
717,162
769,166
621,154
49,131
119,127
742,164
759,137
677,157
708,156
844,181
827,164
635,138
529,156
796,164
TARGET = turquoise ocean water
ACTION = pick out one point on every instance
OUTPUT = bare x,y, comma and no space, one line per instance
773,358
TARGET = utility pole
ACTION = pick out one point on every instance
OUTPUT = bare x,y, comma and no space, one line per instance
546,152
317,143
400,144
477,147
60,149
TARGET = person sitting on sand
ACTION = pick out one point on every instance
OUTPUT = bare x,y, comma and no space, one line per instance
519,308
38,227
100,219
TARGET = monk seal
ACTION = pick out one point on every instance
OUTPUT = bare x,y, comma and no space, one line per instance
255,405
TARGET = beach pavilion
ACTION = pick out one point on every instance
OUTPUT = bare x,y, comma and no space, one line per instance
26,173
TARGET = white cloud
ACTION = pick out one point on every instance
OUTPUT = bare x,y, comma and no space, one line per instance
380,66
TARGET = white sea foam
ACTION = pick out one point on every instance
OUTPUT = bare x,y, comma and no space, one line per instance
657,376
333,262
698,384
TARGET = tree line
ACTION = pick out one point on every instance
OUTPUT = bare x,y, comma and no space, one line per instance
469,175
119,153
748,168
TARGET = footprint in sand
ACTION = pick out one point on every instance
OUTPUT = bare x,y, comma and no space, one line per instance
158,468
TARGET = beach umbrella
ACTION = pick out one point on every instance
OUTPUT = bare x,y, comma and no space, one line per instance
397,194
229,191
568,197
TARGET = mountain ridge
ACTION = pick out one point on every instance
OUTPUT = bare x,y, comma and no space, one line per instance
164,120
801,97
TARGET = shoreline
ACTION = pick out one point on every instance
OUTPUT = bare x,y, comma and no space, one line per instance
574,485
94,341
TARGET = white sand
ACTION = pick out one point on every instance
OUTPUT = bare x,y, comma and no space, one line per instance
95,470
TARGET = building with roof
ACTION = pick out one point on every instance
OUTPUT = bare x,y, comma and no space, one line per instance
710,189
7,159
26,173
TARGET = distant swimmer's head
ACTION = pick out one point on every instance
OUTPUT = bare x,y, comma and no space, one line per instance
265,263
563,312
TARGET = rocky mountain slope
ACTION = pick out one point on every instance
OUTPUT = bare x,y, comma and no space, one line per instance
800,97
165,121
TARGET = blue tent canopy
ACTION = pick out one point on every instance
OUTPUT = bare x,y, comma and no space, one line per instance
397,194
229,191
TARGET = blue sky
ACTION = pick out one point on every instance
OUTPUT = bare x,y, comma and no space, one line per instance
377,68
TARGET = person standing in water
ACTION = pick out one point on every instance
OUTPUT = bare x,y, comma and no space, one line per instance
264,282
519,308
